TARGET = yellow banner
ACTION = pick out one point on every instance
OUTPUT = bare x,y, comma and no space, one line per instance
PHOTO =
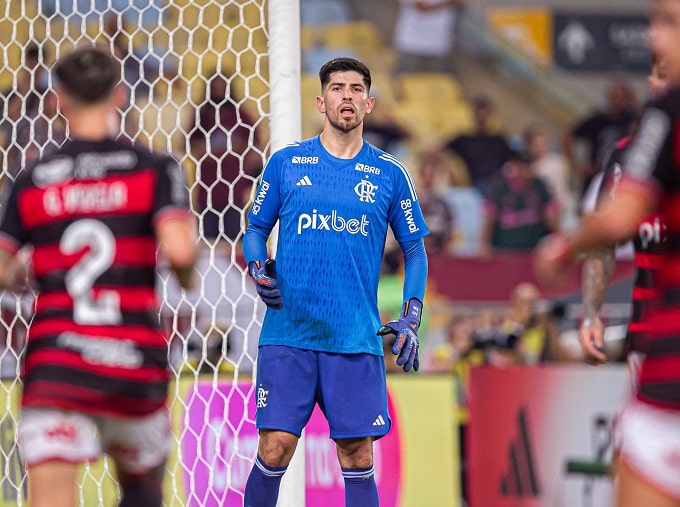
425,411
529,28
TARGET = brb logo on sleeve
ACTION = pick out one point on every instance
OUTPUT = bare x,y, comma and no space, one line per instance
333,222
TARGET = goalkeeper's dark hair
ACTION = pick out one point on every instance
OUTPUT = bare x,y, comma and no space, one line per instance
89,74
344,64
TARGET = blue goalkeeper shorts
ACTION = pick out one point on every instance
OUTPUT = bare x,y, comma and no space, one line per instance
350,389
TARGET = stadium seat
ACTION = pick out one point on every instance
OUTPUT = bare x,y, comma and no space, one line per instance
452,118
361,36
314,58
419,120
323,12
437,86
383,88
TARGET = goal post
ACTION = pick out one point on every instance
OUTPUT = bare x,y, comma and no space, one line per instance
286,126
171,51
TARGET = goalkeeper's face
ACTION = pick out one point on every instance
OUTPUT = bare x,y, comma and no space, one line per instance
345,101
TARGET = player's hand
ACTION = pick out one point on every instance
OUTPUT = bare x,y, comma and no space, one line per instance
405,328
552,257
264,274
591,338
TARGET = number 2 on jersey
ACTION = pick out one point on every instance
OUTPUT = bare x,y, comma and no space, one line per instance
105,308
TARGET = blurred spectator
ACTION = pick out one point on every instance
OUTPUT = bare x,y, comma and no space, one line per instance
457,353
37,133
32,81
553,169
519,209
601,130
436,210
166,117
32,123
424,35
499,335
139,70
483,151
530,326
207,352
384,131
224,142
466,205
148,13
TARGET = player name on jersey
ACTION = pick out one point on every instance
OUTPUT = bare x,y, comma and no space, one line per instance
116,193
86,198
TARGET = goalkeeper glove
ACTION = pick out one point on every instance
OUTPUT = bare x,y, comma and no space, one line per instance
264,274
406,329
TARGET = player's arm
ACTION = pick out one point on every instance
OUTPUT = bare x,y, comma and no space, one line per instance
174,225
598,264
262,218
14,263
13,271
177,236
597,270
406,326
616,222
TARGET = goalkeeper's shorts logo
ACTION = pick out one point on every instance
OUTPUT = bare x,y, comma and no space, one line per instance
333,222
261,397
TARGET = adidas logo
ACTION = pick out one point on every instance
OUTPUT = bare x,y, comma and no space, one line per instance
521,477
304,182
379,421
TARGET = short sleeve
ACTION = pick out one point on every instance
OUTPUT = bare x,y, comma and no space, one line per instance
172,193
650,146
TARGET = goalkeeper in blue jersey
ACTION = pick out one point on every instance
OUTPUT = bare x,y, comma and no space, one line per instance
335,196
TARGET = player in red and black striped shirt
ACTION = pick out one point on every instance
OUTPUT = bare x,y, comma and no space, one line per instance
95,212
598,265
649,427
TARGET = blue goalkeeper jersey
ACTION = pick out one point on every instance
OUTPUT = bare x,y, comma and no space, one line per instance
334,214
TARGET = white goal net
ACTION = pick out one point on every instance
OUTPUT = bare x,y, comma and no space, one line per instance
198,78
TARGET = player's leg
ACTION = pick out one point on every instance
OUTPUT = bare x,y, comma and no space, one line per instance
355,419
356,462
141,489
52,484
53,444
286,395
139,447
634,491
274,451
648,456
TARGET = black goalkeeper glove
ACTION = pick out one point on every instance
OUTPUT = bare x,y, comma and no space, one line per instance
264,274
406,329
